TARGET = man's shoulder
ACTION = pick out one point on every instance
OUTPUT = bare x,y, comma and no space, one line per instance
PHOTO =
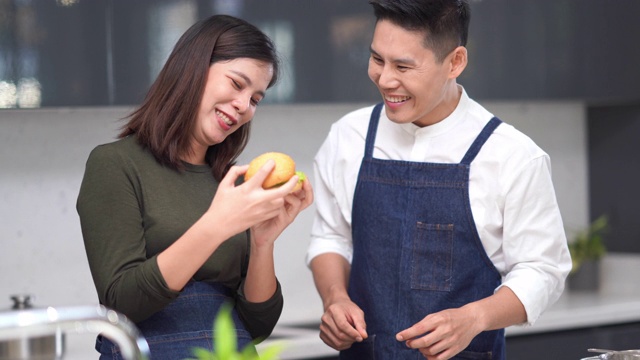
359,115
354,121
514,141
507,136
346,136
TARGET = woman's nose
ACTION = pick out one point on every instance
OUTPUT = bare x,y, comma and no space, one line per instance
241,104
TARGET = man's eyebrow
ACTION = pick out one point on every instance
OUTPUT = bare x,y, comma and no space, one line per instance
408,61
247,80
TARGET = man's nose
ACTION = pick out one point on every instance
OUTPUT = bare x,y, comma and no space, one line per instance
387,78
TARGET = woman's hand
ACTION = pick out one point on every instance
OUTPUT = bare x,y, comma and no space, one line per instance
267,232
283,207
234,209
240,207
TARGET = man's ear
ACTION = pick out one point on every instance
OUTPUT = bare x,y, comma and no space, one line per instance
458,61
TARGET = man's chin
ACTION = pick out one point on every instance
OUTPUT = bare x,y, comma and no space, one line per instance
397,117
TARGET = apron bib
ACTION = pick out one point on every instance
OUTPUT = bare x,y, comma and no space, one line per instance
185,323
416,250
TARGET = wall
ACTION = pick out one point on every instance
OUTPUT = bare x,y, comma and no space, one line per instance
614,172
42,156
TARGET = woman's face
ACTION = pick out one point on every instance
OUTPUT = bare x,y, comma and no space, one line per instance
232,92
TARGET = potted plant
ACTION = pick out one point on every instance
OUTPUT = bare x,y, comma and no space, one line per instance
225,342
587,249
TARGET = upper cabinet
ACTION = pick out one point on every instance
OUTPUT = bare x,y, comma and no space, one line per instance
108,52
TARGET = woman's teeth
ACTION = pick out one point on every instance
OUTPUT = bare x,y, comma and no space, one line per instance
397,99
225,118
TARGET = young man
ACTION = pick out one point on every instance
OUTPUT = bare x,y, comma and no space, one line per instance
437,225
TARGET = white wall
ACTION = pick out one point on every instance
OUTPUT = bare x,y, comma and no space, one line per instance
42,156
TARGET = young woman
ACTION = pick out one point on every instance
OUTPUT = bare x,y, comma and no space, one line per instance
170,232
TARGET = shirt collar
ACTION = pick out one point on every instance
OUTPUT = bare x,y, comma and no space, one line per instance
455,118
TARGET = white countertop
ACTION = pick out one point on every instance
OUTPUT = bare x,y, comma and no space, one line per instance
617,301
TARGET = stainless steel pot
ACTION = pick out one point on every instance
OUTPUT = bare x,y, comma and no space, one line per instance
614,355
35,323
47,345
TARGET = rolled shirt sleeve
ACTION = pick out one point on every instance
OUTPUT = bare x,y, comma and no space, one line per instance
335,179
536,256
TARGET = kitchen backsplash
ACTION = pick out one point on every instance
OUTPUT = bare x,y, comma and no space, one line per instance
42,158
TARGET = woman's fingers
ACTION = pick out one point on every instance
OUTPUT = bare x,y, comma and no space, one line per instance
232,175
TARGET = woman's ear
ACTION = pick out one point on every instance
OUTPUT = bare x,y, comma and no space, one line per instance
457,61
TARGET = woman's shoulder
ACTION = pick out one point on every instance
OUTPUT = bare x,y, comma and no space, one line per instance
127,143
127,147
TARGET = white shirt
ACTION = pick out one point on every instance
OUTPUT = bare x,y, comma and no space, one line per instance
512,196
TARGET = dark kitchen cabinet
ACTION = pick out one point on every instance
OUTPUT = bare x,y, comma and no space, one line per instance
107,52
573,344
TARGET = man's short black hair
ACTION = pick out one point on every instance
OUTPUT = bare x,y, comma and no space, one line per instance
445,23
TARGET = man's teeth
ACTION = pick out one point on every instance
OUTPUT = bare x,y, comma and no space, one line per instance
397,99
225,118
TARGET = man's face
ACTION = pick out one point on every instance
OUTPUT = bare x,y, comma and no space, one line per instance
415,87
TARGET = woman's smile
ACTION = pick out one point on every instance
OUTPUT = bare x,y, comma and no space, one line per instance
225,121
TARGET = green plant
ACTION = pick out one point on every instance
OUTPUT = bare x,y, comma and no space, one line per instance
589,243
225,342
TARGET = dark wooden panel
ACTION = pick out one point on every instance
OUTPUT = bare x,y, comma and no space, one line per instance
614,172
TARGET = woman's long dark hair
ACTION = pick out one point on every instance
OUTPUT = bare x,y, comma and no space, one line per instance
165,121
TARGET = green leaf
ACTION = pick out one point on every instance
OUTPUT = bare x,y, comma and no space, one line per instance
589,243
203,354
272,352
224,333
225,341
249,353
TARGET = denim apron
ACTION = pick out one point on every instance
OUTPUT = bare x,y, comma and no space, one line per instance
185,323
416,250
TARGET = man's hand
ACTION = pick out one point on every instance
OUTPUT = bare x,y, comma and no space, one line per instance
342,325
442,335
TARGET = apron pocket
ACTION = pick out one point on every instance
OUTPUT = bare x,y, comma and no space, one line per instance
431,259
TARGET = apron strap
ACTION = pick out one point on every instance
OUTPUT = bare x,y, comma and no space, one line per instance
468,157
480,140
371,132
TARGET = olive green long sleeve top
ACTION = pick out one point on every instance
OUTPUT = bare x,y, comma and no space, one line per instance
132,208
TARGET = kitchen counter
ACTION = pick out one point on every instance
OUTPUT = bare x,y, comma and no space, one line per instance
616,302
